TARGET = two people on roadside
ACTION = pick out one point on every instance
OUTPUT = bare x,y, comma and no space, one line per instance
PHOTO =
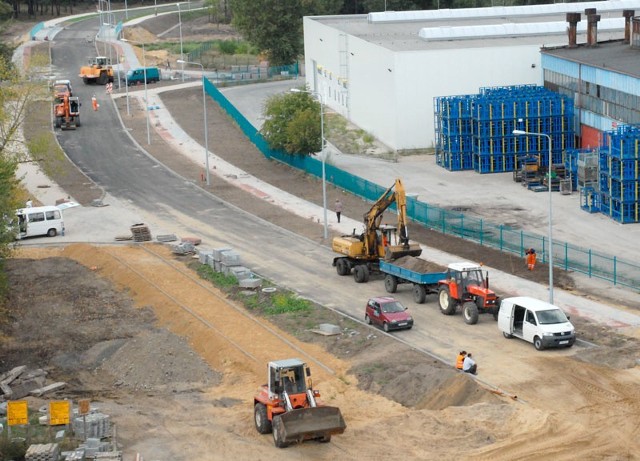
465,362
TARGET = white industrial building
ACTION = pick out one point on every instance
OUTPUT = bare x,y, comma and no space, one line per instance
382,70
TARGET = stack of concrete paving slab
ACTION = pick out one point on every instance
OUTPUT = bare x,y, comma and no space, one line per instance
95,425
43,452
228,262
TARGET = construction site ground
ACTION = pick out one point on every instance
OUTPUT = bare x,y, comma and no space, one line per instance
176,363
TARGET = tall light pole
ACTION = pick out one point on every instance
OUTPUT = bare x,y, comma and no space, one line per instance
206,127
180,27
544,135
146,98
322,156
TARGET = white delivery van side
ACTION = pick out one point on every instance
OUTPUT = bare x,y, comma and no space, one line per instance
40,220
538,322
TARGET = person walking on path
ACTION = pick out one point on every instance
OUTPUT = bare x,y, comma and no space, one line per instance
469,365
531,259
338,208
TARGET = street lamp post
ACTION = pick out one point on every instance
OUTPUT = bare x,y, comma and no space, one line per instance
322,153
544,135
180,28
146,98
206,127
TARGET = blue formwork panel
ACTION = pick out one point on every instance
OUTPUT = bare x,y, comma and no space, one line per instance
454,161
624,213
493,163
590,200
624,191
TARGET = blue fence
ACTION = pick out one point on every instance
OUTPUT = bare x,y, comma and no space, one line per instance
504,238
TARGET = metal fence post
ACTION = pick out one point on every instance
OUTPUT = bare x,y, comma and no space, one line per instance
615,271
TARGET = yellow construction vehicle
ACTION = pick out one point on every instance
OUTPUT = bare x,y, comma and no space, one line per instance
98,71
289,407
362,253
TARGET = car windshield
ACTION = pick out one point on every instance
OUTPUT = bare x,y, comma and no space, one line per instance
551,316
395,306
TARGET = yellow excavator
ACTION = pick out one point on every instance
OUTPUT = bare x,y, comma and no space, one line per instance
362,253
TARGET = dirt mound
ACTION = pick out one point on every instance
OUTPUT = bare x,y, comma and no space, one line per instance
418,265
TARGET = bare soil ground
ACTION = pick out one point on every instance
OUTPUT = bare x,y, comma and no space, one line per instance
127,328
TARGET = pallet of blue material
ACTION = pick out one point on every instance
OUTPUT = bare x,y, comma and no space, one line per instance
590,200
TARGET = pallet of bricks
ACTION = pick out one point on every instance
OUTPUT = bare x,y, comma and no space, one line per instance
619,182
43,452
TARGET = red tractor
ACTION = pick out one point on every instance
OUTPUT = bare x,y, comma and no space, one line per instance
466,286
67,113
288,406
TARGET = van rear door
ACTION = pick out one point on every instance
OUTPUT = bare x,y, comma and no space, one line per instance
505,317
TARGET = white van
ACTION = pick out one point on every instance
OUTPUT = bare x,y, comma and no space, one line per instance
538,322
40,220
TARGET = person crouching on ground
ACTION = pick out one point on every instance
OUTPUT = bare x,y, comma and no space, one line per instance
469,365
460,359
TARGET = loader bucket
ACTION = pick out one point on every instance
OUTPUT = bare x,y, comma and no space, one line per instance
398,251
309,423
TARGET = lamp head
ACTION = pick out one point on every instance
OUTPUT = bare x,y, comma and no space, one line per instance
519,132
180,61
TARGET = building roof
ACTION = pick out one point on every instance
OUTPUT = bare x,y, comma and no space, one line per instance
494,26
612,55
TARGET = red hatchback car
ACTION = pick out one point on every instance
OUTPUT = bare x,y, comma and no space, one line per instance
388,313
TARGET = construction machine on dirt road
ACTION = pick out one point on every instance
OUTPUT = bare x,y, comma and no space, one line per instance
362,253
98,71
288,406
66,112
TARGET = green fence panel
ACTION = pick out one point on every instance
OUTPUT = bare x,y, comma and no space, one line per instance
504,238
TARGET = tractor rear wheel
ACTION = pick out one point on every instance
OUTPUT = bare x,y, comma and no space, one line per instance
263,425
470,313
419,293
391,283
447,304
278,433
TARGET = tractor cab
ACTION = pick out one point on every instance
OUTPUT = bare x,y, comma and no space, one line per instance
288,376
467,274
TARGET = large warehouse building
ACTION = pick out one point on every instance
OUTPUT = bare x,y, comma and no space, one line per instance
382,71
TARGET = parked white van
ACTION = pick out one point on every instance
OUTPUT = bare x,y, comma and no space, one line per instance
40,220
538,322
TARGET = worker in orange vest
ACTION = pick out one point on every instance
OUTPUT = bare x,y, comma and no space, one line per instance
531,258
460,359
94,102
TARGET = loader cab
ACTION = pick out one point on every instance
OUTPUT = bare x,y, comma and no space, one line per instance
100,61
288,375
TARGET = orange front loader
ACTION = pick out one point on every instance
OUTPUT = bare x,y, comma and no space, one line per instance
288,406
67,113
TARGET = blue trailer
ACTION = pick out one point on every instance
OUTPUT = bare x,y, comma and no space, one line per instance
423,282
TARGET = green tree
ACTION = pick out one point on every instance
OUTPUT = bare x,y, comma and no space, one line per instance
292,123
275,26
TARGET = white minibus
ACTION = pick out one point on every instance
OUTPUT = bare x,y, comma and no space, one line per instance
40,220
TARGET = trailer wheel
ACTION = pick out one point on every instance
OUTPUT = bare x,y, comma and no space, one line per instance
361,274
470,313
263,425
52,232
391,283
419,293
342,267
447,304
278,433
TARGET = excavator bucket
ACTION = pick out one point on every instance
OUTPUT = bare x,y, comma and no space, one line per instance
308,423
398,251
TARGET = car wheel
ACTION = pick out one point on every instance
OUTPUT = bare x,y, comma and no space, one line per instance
537,343
263,425
367,319
419,294
385,327
52,233
470,313
391,283
507,335
447,305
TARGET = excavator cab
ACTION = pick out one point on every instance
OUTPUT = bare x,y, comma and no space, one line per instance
288,406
